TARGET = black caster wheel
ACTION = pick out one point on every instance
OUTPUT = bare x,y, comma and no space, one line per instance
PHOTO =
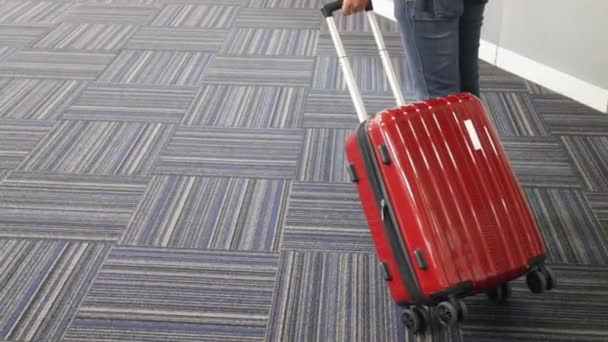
448,313
536,280
549,276
500,294
425,315
461,307
413,320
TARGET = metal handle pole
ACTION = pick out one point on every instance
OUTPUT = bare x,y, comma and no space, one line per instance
386,60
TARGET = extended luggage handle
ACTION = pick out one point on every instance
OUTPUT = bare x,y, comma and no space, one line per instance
353,88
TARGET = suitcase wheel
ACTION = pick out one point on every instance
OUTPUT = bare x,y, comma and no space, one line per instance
451,312
541,279
416,319
500,294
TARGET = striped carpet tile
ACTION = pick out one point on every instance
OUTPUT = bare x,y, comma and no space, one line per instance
257,70
209,213
112,13
207,2
87,36
360,23
20,35
571,232
310,4
200,16
514,114
309,19
269,153
334,108
18,138
3,174
37,99
540,161
536,89
43,282
39,12
55,64
331,297
131,102
599,203
180,68
368,71
177,39
99,147
270,42
573,311
53,206
590,156
361,44
266,107
144,294
323,158
500,83
323,216
564,116
5,52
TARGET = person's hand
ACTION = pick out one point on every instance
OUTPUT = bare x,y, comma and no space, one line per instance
353,6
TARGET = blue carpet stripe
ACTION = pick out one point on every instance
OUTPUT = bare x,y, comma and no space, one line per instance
310,4
102,148
571,231
324,216
269,153
514,114
20,35
367,69
590,156
267,107
37,99
599,203
279,18
318,297
209,213
271,42
55,64
112,13
34,205
334,108
573,311
40,12
323,158
201,16
132,102
291,71
180,68
43,282
361,44
178,295
566,117
18,138
87,36
540,161
176,39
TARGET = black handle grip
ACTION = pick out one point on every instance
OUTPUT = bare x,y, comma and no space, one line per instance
329,8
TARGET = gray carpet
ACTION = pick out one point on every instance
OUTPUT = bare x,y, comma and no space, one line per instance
173,170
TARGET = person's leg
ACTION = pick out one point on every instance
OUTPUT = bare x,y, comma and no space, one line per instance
470,34
431,45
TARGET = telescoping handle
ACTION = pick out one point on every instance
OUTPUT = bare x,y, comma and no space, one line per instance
355,94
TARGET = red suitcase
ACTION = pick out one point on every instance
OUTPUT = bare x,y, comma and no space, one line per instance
446,213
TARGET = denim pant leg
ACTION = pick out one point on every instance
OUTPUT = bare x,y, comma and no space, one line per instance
431,47
470,33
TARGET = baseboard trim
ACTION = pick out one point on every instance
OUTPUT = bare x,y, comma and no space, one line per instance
557,81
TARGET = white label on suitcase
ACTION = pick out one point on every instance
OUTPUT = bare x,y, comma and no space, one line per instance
473,134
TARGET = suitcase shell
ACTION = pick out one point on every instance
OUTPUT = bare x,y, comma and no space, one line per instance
446,213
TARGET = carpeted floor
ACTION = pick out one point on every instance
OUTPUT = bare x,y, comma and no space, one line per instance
173,170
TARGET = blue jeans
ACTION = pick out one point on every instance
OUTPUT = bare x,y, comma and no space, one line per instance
441,41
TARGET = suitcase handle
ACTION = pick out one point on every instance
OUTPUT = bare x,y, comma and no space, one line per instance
355,94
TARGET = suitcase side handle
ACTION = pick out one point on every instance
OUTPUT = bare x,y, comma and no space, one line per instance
327,11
